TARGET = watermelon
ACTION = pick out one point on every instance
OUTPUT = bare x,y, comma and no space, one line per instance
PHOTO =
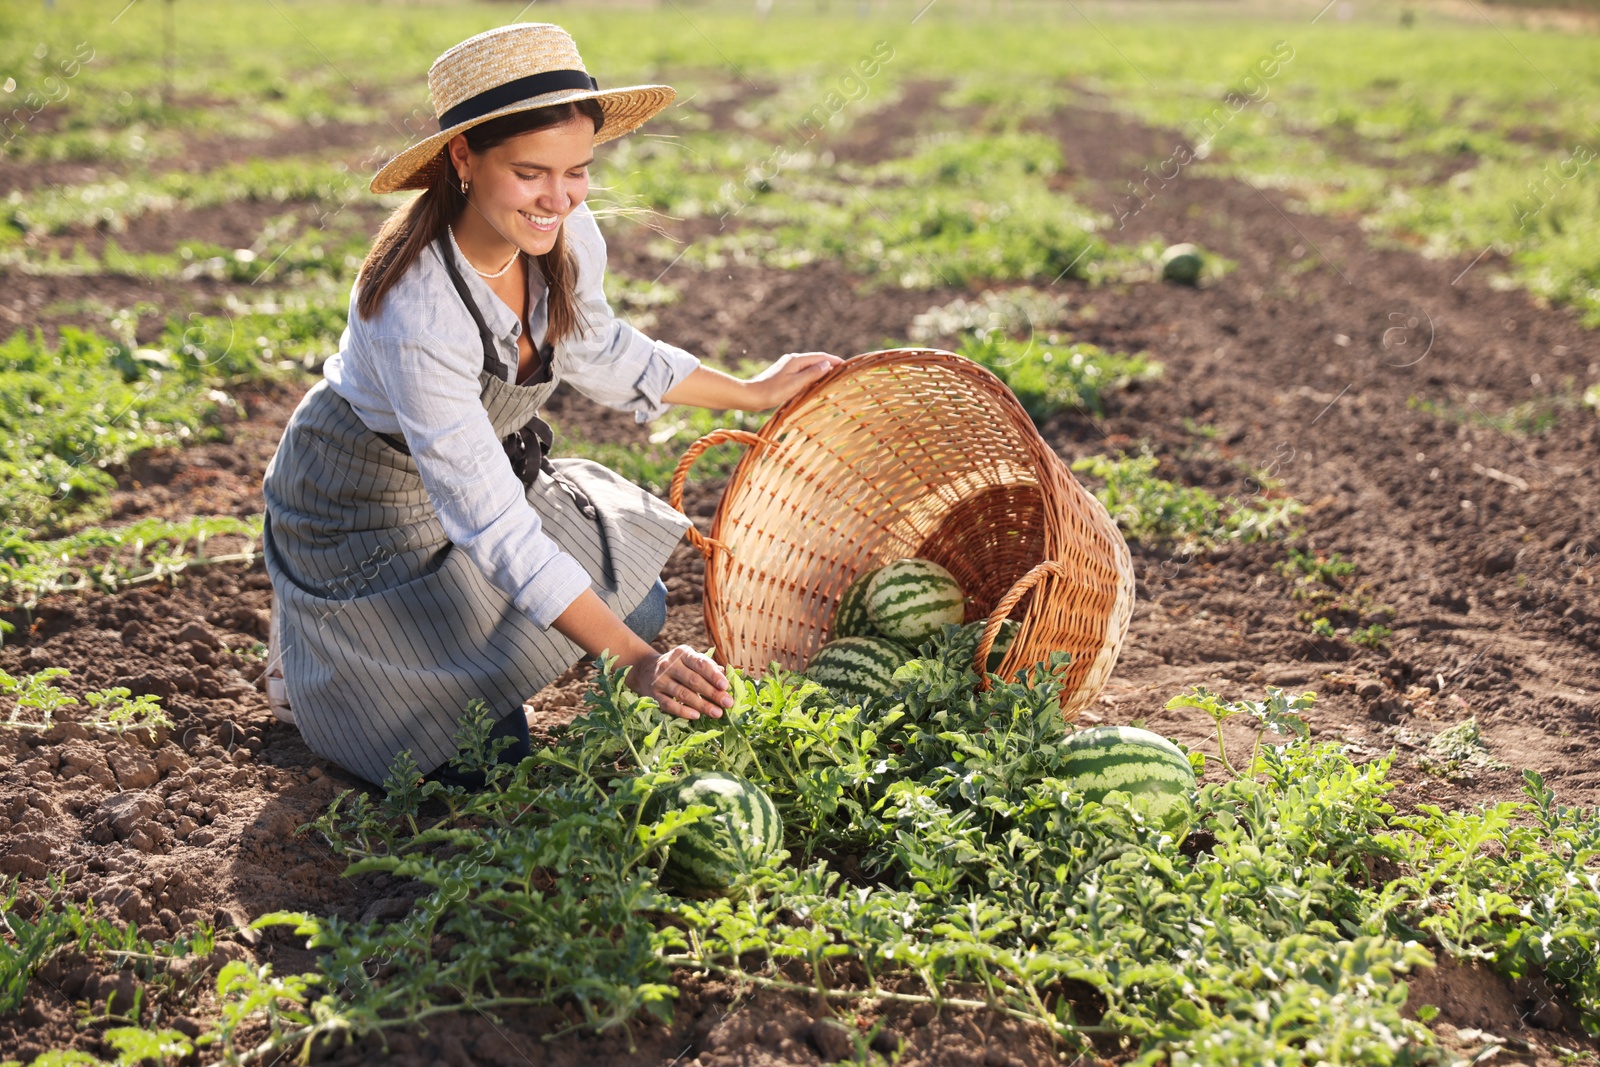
909,600
743,831
1181,264
857,670
850,616
1002,640
1135,761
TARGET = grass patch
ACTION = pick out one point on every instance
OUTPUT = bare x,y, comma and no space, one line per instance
73,411
1447,138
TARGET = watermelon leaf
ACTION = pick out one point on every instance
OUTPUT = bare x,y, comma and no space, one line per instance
1280,715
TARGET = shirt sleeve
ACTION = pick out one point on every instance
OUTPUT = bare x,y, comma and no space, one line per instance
611,362
433,388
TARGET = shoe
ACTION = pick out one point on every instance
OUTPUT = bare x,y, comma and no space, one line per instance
277,688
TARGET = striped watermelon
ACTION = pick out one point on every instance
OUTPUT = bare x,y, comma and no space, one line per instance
850,616
1002,640
743,831
857,670
910,599
1135,761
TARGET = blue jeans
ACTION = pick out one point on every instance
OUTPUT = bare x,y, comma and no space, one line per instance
646,620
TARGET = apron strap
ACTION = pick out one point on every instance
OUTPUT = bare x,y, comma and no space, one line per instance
528,448
491,362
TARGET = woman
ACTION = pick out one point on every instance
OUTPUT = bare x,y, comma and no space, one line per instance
422,548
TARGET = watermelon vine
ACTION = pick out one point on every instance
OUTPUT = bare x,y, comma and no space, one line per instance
935,853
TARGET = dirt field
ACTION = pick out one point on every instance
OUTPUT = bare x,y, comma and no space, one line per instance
1480,538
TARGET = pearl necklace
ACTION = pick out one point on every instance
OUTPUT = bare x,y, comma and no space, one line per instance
482,273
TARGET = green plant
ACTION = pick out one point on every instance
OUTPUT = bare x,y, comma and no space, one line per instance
54,208
113,708
983,879
1157,512
957,210
118,710
1372,636
1052,378
1458,751
1308,568
1277,713
36,691
58,923
150,550
1530,418
26,946
73,413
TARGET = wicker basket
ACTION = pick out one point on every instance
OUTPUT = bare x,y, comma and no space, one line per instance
910,452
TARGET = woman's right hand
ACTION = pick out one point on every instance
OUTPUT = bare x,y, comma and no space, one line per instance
683,682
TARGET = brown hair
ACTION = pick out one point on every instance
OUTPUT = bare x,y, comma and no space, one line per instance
410,227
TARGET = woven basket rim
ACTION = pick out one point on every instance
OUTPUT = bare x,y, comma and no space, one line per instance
1039,450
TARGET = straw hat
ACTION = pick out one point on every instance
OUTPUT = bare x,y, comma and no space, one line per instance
503,71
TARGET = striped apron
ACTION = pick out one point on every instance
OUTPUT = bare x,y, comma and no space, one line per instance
387,629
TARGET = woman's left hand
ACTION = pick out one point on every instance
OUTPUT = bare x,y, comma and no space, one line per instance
787,377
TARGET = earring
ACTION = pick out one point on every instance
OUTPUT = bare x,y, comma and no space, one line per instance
464,187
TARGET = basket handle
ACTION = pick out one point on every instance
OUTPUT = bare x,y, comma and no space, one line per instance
1003,609
680,475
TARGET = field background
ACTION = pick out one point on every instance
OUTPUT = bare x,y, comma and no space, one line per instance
1358,458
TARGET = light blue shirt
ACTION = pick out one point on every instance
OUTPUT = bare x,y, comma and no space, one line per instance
413,370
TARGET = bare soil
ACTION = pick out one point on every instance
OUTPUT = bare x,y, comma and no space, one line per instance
1478,537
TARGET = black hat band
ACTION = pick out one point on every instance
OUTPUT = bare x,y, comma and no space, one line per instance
500,96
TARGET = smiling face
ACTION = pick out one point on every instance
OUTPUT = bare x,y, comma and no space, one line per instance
523,188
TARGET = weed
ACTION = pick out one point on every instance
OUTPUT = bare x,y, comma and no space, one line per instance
1324,583
58,923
